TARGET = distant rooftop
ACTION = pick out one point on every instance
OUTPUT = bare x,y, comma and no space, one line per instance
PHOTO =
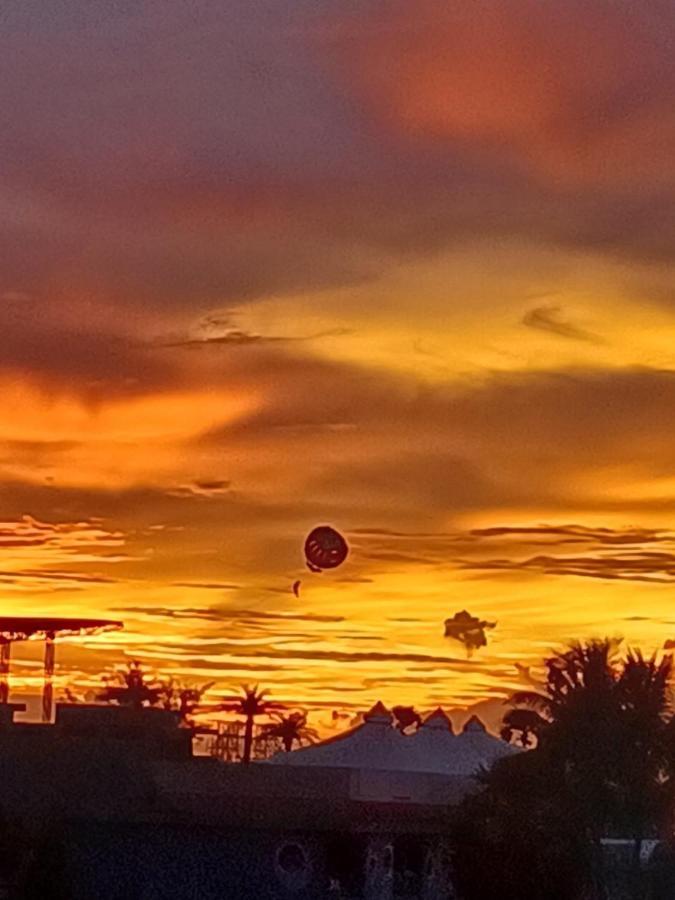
377,744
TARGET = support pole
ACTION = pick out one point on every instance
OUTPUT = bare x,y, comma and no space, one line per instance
5,647
48,689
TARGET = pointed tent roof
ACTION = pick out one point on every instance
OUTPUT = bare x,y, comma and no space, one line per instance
438,719
474,726
378,713
432,746
435,748
478,749
375,744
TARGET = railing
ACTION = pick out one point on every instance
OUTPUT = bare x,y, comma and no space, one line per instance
228,743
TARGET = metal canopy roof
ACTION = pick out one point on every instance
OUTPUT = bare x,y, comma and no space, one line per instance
21,628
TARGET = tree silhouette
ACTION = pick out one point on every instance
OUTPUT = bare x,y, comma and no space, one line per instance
579,713
135,690
290,729
405,717
519,837
522,726
184,699
578,679
250,704
648,751
603,729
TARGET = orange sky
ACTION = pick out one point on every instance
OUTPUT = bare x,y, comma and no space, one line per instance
407,269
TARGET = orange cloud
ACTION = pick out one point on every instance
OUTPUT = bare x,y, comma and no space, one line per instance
581,93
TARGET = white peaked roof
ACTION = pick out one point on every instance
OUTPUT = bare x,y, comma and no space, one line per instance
477,749
376,744
432,746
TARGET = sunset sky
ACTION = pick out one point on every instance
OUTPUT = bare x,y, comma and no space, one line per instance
407,268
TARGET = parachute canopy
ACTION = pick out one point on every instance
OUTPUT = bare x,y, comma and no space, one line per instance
468,629
325,548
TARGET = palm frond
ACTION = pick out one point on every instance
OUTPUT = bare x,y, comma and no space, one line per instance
533,699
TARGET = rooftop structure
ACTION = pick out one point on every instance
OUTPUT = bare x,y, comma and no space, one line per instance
47,629
376,744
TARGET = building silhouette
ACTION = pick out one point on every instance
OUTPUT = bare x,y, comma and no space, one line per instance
109,803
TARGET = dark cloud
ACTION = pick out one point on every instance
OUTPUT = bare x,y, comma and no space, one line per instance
575,420
580,533
196,663
209,586
217,485
169,186
225,615
280,616
13,543
348,657
551,320
552,97
81,355
65,534
179,193
414,480
374,683
354,579
637,566
533,125
216,331
232,338
47,575
162,612
394,557
391,533
205,488
577,423
603,552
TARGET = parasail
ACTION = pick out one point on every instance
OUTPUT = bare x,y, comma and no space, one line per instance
468,630
325,548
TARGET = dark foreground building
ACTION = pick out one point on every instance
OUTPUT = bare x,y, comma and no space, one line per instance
109,804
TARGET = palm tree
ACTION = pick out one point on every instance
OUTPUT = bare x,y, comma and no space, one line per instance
250,704
576,710
522,726
134,690
291,729
602,728
583,673
184,699
644,697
